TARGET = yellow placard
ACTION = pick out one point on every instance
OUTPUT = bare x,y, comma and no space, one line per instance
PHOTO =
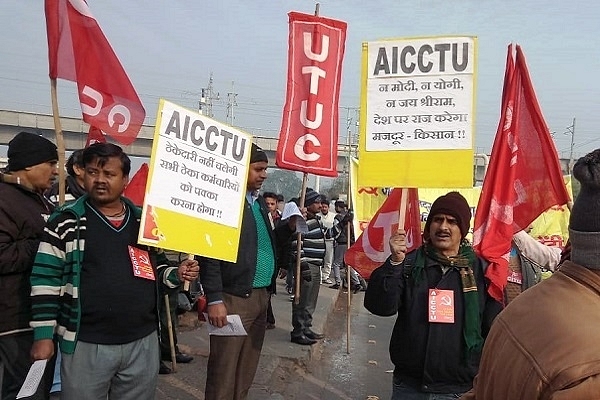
196,184
418,112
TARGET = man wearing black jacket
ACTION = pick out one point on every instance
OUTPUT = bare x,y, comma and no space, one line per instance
444,312
242,288
32,167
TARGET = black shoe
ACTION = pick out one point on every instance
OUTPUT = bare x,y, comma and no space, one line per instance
356,288
270,326
163,369
182,358
335,286
313,335
303,340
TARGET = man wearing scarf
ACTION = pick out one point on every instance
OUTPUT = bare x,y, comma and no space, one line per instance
443,310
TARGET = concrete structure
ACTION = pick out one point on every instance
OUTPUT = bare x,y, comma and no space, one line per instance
75,133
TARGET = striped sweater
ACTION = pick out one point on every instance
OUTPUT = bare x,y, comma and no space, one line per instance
313,242
55,279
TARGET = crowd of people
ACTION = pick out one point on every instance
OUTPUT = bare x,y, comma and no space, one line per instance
69,295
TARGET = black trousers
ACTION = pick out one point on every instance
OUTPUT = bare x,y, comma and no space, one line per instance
14,365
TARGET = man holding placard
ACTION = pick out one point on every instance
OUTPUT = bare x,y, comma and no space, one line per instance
243,288
95,288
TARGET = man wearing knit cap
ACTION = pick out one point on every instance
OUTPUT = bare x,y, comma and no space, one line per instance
242,287
439,294
544,345
32,167
311,259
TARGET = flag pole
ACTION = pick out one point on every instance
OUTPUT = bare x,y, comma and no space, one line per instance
299,243
403,203
299,235
60,143
348,244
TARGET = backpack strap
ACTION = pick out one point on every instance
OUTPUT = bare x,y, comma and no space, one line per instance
408,265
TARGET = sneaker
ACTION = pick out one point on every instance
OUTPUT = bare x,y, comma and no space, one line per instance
327,282
335,286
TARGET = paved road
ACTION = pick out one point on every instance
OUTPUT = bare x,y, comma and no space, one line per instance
336,374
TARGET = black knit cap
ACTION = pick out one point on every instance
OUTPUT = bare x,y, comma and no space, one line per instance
311,197
584,225
585,215
257,154
454,204
28,149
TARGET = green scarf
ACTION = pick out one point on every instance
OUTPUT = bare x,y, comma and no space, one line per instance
464,262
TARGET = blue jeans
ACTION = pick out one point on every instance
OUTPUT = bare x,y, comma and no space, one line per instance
402,391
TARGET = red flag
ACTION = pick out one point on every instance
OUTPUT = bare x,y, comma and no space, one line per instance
78,51
95,135
309,129
136,188
372,247
524,177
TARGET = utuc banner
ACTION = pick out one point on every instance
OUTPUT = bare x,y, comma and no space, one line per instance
417,112
79,52
309,128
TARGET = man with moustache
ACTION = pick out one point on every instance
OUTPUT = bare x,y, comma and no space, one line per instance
95,289
443,309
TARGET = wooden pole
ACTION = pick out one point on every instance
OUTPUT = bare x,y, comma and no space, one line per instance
299,243
170,328
186,284
60,143
348,238
403,203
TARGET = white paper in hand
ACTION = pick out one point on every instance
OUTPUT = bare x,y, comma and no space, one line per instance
34,377
290,209
234,327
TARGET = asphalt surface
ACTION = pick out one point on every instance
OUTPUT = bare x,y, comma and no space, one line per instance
279,360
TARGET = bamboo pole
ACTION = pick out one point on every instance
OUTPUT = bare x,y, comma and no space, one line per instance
171,338
60,143
299,243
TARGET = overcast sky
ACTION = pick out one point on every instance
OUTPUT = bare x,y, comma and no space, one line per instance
169,49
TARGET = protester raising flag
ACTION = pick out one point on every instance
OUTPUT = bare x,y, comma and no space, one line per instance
78,51
524,177
372,248
309,129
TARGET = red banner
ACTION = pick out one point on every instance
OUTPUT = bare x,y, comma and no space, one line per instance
78,51
372,247
136,188
524,177
95,135
309,130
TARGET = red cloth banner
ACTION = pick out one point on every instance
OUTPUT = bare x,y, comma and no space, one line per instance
95,135
372,247
78,51
524,177
136,188
309,130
